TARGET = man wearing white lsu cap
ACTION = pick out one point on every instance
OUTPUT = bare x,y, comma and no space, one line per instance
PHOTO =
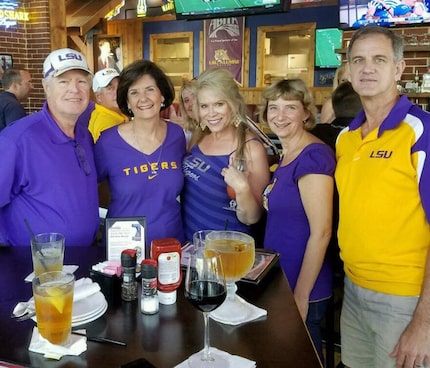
47,175
106,113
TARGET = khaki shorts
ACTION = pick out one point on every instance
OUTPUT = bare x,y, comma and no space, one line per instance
371,324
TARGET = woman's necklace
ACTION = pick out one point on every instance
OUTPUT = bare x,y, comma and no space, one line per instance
153,167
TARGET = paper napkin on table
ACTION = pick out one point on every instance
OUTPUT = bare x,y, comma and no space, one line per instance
254,313
85,287
75,346
235,361
66,268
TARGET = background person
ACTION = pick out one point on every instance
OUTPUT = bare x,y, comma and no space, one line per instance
141,159
346,105
106,112
186,108
382,176
17,85
327,113
222,138
299,200
48,174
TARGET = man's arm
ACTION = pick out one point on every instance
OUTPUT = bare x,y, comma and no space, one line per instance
13,113
413,347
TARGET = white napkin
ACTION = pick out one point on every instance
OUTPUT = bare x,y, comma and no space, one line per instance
84,287
66,268
75,346
235,361
254,313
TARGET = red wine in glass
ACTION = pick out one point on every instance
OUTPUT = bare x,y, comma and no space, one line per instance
205,289
206,295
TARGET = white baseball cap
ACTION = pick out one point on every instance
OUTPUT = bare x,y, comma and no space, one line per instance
103,77
63,60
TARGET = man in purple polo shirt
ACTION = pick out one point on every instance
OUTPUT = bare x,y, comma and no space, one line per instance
47,171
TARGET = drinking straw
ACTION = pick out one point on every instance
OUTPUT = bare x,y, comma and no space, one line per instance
29,228
42,262
226,224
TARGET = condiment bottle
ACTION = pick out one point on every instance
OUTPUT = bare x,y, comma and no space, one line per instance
129,283
149,296
167,253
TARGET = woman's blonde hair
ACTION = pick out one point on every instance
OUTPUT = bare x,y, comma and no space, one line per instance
189,123
221,82
339,76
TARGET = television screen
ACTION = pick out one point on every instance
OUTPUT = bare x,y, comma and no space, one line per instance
326,42
359,13
201,9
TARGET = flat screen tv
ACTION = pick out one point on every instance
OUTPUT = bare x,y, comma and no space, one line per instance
204,9
326,42
389,13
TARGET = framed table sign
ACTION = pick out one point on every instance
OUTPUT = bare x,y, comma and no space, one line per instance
125,233
265,259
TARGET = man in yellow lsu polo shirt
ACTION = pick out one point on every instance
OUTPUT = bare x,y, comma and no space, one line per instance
383,178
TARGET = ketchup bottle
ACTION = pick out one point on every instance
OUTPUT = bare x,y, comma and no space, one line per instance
167,253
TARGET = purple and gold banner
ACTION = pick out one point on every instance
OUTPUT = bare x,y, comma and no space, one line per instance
224,38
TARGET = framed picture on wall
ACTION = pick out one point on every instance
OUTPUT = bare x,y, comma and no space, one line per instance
107,52
6,61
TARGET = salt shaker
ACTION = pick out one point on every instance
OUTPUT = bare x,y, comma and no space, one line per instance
149,303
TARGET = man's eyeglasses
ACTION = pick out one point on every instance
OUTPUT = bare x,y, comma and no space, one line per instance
82,159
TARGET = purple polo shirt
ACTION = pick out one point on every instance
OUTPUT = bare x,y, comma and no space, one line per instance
48,179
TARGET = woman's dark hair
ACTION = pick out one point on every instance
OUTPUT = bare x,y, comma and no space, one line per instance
132,72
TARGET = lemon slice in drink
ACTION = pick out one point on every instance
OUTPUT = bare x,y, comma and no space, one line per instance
56,297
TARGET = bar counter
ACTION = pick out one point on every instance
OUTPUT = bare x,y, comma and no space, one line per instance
166,339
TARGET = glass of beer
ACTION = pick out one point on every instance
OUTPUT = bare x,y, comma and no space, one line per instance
237,252
53,299
47,251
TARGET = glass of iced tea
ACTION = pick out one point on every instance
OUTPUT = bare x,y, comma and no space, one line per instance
47,251
53,299
237,252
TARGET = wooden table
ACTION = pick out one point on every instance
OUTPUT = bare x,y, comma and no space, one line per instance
164,339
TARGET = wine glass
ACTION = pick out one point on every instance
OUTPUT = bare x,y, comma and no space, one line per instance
239,164
205,289
237,252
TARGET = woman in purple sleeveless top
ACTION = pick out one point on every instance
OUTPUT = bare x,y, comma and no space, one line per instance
299,200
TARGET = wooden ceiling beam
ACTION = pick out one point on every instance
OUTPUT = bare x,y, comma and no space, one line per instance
87,16
57,15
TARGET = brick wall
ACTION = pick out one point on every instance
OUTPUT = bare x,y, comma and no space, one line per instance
416,57
29,43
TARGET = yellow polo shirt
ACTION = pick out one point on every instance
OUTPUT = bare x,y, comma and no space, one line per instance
384,189
103,118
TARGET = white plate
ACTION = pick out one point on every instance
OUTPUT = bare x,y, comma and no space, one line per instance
88,306
91,318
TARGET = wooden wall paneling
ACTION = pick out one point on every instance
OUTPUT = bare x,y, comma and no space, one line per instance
57,27
131,32
202,53
246,40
